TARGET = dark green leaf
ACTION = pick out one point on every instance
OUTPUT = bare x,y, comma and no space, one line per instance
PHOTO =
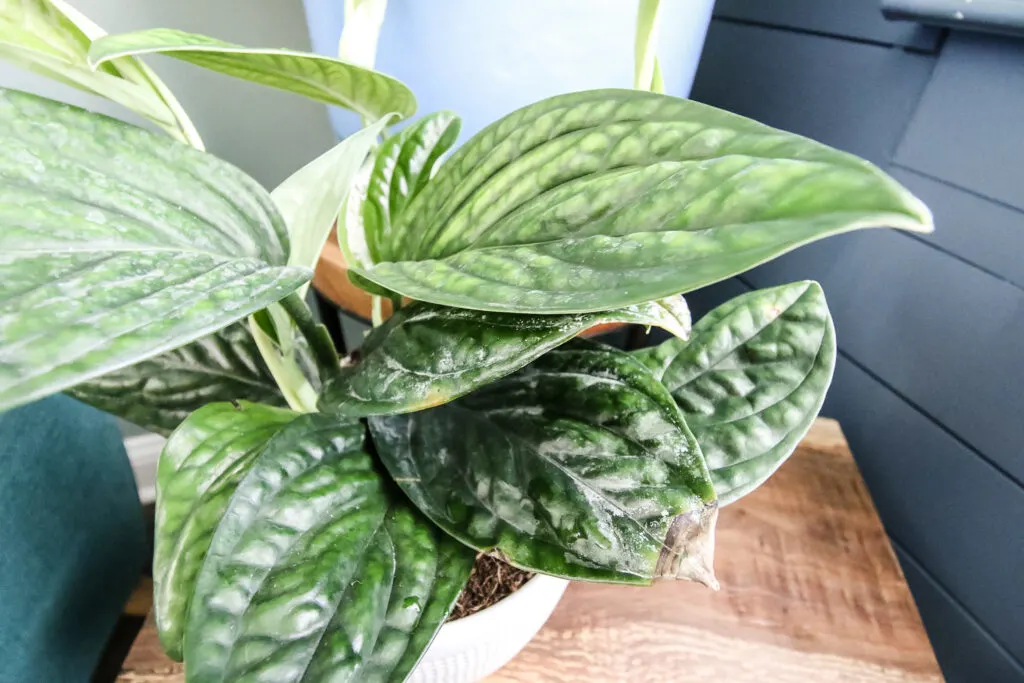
365,91
751,380
117,244
606,198
426,355
579,465
203,461
52,39
401,168
159,393
318,571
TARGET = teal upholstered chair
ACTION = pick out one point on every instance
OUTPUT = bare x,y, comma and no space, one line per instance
72,539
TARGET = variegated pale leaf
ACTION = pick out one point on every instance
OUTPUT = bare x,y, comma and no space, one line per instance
367,92
53,39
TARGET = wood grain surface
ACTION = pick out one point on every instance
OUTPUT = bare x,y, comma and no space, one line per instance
811,592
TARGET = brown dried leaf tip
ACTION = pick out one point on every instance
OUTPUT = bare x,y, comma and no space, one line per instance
689,550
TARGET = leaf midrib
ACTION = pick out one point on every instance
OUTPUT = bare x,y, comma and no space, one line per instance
513,436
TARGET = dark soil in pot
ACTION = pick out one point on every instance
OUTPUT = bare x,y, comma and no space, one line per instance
490,581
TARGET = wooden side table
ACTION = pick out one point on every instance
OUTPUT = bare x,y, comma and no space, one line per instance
811,591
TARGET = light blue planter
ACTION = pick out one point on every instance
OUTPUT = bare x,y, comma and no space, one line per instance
484,58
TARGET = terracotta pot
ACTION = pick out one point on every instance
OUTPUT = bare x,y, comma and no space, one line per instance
331,280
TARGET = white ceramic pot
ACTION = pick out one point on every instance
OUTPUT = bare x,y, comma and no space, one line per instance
471,648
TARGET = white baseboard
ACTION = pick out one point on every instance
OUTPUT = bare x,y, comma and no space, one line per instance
144,453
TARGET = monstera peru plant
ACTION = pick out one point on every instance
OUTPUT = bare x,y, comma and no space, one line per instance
317,517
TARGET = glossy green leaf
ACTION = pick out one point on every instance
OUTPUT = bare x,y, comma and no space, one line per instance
117,244
751,380
579,465
326,79
606,198
159,393
401,168
309,200
427,355
319,570
202,462
52,39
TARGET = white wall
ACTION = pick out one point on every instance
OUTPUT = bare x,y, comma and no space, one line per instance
266,132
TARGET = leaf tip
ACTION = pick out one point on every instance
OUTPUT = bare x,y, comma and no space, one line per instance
689,549
922,219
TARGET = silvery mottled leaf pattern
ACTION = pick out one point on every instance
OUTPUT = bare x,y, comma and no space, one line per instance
750,380
427,355
579,465
365,91
319,570
401,168
159,393
606,198
119,244
202,462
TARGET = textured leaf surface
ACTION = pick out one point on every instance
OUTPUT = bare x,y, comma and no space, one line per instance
579,465
159,393
202,462
319,571
118,244
751,380
607,198
326,79
400,170
52,39
427,355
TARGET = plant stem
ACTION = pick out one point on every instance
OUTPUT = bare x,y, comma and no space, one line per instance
647,74
377,310
316,335
294,385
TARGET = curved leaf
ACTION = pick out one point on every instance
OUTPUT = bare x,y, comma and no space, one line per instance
751,380
51,38
579,465
309,199
319,572
427,355
367,92
202,462
159,393
118,244
607,198
400,170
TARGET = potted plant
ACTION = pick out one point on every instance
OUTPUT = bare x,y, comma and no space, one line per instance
317,517
484,60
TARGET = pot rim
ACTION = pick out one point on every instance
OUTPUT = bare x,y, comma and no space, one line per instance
539,587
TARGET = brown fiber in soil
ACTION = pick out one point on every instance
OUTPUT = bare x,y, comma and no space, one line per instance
490,581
